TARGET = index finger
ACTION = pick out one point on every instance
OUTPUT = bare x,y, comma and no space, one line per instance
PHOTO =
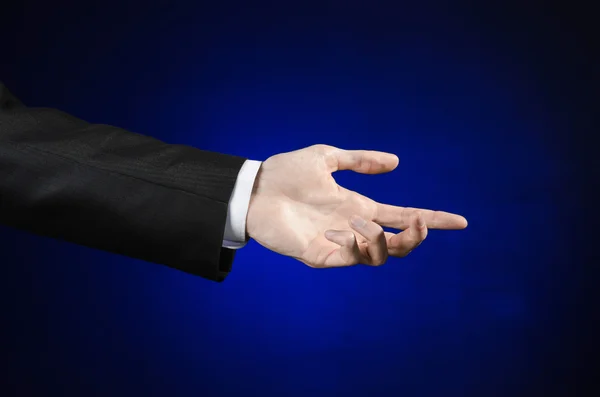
399,218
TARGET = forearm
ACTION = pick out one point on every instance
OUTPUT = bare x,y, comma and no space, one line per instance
115,190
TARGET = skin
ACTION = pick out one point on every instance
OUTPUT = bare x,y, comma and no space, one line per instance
297,209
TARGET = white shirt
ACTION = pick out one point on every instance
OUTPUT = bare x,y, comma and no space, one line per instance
237,210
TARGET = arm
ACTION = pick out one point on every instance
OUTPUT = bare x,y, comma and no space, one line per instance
107,188
111,189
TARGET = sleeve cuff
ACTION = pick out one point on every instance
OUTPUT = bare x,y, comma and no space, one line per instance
237,210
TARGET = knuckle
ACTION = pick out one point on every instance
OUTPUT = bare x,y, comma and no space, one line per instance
401,252
321,148
349,239
379,258
378,262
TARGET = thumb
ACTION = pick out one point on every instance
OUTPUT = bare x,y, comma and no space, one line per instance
363,161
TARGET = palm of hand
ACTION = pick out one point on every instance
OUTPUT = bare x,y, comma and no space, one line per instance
297,206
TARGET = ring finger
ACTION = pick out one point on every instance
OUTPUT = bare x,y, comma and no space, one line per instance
376,249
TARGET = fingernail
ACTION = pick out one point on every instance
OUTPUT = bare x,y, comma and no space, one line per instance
357,221
420,221
329,234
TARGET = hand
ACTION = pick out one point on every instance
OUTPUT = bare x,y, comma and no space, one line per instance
297,209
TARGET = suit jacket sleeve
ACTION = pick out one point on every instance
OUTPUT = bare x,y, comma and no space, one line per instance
114,190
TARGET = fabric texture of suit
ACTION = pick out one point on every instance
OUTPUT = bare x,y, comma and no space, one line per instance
114,190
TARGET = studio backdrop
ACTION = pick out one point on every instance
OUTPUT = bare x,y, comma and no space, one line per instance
460,95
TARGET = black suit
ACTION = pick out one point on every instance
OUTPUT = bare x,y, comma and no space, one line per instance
107,188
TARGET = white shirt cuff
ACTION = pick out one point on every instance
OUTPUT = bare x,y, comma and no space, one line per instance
235,226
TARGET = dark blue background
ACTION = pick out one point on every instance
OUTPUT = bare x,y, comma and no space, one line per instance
482,105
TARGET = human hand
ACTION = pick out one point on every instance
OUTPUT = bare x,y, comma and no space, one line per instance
297,209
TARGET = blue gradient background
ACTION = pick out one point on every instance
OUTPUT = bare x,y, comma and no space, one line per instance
470,100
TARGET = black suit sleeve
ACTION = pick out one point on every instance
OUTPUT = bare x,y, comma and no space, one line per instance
114,190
